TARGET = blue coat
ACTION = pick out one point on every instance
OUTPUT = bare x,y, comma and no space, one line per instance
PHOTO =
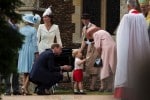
44,70
29,47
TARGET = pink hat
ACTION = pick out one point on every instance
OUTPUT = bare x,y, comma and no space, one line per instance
90,31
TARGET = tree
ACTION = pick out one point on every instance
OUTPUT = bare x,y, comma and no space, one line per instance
10,39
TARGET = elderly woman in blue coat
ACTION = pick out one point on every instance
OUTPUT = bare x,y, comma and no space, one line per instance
28,49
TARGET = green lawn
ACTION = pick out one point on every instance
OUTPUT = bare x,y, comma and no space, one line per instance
70,91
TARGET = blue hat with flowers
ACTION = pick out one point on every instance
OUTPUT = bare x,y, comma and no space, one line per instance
30,18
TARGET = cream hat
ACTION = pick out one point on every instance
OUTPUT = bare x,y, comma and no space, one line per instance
48,11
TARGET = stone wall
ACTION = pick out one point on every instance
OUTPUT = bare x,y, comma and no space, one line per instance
76,18
29,5
123,8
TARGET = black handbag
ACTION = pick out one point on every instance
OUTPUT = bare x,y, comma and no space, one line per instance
98,62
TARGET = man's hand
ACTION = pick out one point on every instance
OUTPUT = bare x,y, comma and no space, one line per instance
36,55
66,68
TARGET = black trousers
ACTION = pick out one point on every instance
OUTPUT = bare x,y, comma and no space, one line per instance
55,78
14,84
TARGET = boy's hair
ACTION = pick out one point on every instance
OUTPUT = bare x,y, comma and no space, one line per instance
75,52
55,45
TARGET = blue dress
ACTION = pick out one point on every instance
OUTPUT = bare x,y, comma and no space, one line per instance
29,47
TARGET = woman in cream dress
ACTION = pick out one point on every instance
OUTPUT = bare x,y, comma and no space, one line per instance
47,32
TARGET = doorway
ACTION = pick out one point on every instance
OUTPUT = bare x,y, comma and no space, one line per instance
113,15
93,8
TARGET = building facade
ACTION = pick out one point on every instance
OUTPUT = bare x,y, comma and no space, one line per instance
123,8
67,14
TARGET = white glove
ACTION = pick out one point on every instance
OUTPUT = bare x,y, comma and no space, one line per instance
88,42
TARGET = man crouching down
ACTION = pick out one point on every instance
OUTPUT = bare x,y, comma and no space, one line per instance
45,72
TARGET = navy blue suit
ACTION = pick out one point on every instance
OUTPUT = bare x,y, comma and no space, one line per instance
15,75
45,73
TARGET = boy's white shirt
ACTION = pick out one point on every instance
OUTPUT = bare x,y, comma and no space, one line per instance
78,64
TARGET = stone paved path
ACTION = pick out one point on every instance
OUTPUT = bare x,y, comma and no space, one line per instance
60,97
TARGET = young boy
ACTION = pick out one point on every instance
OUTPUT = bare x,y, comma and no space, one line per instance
78,72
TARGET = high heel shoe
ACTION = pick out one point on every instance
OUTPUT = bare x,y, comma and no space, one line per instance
24,91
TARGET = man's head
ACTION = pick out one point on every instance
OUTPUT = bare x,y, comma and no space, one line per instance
85,18
56,48
132,4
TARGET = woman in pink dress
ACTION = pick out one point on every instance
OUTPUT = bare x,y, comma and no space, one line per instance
106,48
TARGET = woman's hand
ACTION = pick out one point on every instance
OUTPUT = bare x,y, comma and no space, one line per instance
87,58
